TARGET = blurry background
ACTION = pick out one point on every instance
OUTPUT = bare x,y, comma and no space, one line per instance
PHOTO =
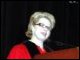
15,18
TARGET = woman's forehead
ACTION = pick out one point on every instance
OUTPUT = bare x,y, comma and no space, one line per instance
44,21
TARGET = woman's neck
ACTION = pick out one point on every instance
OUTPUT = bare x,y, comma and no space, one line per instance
37,42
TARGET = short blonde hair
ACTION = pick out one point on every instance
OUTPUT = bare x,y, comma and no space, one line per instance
35,18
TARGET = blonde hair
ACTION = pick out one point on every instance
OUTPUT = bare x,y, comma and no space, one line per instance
35,18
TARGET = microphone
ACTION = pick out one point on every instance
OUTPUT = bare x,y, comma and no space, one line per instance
46,45
56,45
48,48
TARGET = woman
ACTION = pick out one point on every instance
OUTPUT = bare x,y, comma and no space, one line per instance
40,25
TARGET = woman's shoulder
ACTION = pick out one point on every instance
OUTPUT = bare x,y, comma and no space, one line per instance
19,51
19,46
22,45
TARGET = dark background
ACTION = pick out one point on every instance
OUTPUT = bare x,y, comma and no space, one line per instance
15,17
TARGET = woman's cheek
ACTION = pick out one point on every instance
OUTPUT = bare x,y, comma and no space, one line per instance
48,34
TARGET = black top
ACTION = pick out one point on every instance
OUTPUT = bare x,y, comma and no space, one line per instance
32,48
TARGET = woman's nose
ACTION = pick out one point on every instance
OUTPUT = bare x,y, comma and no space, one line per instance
45,29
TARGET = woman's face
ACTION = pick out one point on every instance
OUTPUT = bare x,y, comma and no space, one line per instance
42,29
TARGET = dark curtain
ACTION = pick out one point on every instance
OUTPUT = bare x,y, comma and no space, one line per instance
15,17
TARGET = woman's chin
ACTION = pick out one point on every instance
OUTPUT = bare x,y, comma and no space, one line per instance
42,38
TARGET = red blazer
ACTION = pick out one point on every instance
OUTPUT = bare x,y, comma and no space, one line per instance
21,52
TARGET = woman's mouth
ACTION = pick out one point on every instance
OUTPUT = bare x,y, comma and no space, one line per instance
43,33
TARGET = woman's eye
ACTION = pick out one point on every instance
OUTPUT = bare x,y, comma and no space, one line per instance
41,24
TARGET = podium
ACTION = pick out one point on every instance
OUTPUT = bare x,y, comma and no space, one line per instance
70,53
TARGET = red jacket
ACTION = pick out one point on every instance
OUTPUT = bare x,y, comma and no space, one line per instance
20,51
